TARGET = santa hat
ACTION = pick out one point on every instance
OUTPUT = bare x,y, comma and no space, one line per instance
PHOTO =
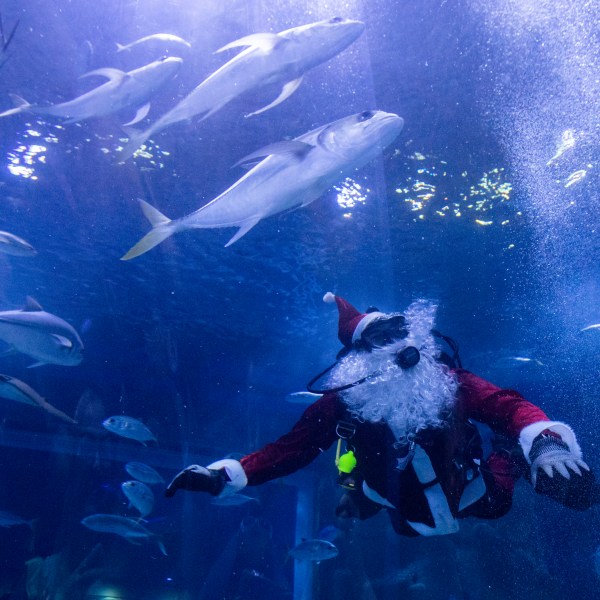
351,323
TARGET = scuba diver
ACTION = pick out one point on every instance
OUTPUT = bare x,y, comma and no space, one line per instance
405,410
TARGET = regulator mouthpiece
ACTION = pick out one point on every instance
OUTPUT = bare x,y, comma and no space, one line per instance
408,357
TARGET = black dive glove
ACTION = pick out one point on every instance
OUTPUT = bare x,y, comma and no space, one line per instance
198,479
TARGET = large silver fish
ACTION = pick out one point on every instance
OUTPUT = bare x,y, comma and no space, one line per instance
155,37
122,90
270,58
294,174
12,244
19,391
127,528
41,335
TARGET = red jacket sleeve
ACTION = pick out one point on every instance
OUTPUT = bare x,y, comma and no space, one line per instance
504,410
311,435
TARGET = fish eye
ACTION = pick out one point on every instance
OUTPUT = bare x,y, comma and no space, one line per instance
336,20
366,115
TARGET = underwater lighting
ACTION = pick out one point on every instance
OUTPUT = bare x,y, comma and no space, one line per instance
431,189
28,152
350,194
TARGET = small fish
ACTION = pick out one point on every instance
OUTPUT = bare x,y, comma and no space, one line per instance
144,473
294,174
140,496
590,327
314,550
160,37
122,90
130,529
9,520
302,398
16,246
523,360
128,427
19,391
233,500
41,335
269,58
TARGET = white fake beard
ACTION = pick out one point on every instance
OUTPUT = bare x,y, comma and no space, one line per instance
408,400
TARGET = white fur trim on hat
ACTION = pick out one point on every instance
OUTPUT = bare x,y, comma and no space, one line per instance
235,472
368,318
329,297
529,433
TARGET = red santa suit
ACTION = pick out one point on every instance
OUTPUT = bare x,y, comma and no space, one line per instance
426,484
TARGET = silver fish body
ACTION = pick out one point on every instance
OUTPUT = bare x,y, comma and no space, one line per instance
139,495
129,427
122,90
270,58
144,473
314,550
129,529
41,335
19,391
155,37
14,245
294,174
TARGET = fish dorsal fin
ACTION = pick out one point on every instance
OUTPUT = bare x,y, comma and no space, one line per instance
293,148
111,74
288,89
31,305
264,41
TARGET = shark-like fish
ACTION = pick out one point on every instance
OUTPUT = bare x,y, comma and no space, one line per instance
270,58
41,335
294,174
19,391
122,90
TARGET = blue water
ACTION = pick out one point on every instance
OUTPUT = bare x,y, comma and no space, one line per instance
486,203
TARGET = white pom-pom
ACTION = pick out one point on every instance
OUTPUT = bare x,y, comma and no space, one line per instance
329,297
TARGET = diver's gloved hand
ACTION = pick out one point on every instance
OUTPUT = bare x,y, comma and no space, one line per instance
549,452
198,479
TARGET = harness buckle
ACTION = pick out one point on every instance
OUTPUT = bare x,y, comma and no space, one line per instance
345,429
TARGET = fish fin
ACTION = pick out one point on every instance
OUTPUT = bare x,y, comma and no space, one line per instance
110,73
160,231
288,89
243,230
31,305
161,546
286,147
6,42
137,138
62,340
19,105
264,41
121,47
37,364
141,113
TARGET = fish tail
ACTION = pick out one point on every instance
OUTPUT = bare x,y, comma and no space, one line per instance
120,47
161,230
161,546
137,138
20,105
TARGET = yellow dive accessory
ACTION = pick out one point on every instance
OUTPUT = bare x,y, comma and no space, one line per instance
344,462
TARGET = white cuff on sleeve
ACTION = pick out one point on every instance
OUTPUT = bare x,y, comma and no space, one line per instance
235,472
529,433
